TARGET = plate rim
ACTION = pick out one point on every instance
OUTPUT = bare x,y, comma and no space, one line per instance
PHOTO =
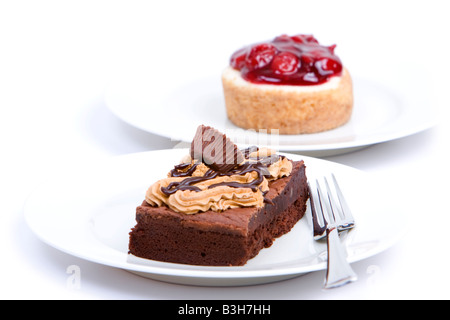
364,140
199,272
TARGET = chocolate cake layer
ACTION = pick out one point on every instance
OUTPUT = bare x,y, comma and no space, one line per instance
228,238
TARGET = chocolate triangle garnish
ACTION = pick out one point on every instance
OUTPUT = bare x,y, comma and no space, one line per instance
214,149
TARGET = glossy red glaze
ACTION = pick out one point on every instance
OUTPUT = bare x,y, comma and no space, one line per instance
287,60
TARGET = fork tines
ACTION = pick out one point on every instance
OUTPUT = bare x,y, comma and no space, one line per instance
329,208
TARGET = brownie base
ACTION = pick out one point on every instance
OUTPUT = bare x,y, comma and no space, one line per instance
229,238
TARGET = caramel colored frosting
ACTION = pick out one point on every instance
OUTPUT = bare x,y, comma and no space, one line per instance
218,192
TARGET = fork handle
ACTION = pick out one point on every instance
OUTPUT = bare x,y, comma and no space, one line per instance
339,270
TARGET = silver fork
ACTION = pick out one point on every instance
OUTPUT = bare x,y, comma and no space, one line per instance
331,216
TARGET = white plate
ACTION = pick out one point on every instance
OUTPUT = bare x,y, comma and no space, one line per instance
89,212
381,113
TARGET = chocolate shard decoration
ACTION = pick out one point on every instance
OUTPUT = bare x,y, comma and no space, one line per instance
214,149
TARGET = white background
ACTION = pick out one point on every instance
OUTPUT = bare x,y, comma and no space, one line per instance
57,57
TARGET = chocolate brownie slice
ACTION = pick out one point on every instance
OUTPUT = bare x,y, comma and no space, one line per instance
228,238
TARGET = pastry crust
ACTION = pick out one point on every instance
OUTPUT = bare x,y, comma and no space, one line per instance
290,109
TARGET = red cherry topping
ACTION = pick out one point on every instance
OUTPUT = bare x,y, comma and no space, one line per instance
285,63
288,60
303,38
237,60
260,56
328,66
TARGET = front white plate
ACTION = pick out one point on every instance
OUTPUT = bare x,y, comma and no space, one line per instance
89,211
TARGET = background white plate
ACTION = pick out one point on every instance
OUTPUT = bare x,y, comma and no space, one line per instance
381,113
89,212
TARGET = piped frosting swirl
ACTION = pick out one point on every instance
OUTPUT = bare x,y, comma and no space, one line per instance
193,187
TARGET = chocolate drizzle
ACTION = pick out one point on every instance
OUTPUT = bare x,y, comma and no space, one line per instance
187,184
177,171
246,152
242,170
258,165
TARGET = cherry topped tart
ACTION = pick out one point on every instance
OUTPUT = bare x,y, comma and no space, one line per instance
287,60
290,85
